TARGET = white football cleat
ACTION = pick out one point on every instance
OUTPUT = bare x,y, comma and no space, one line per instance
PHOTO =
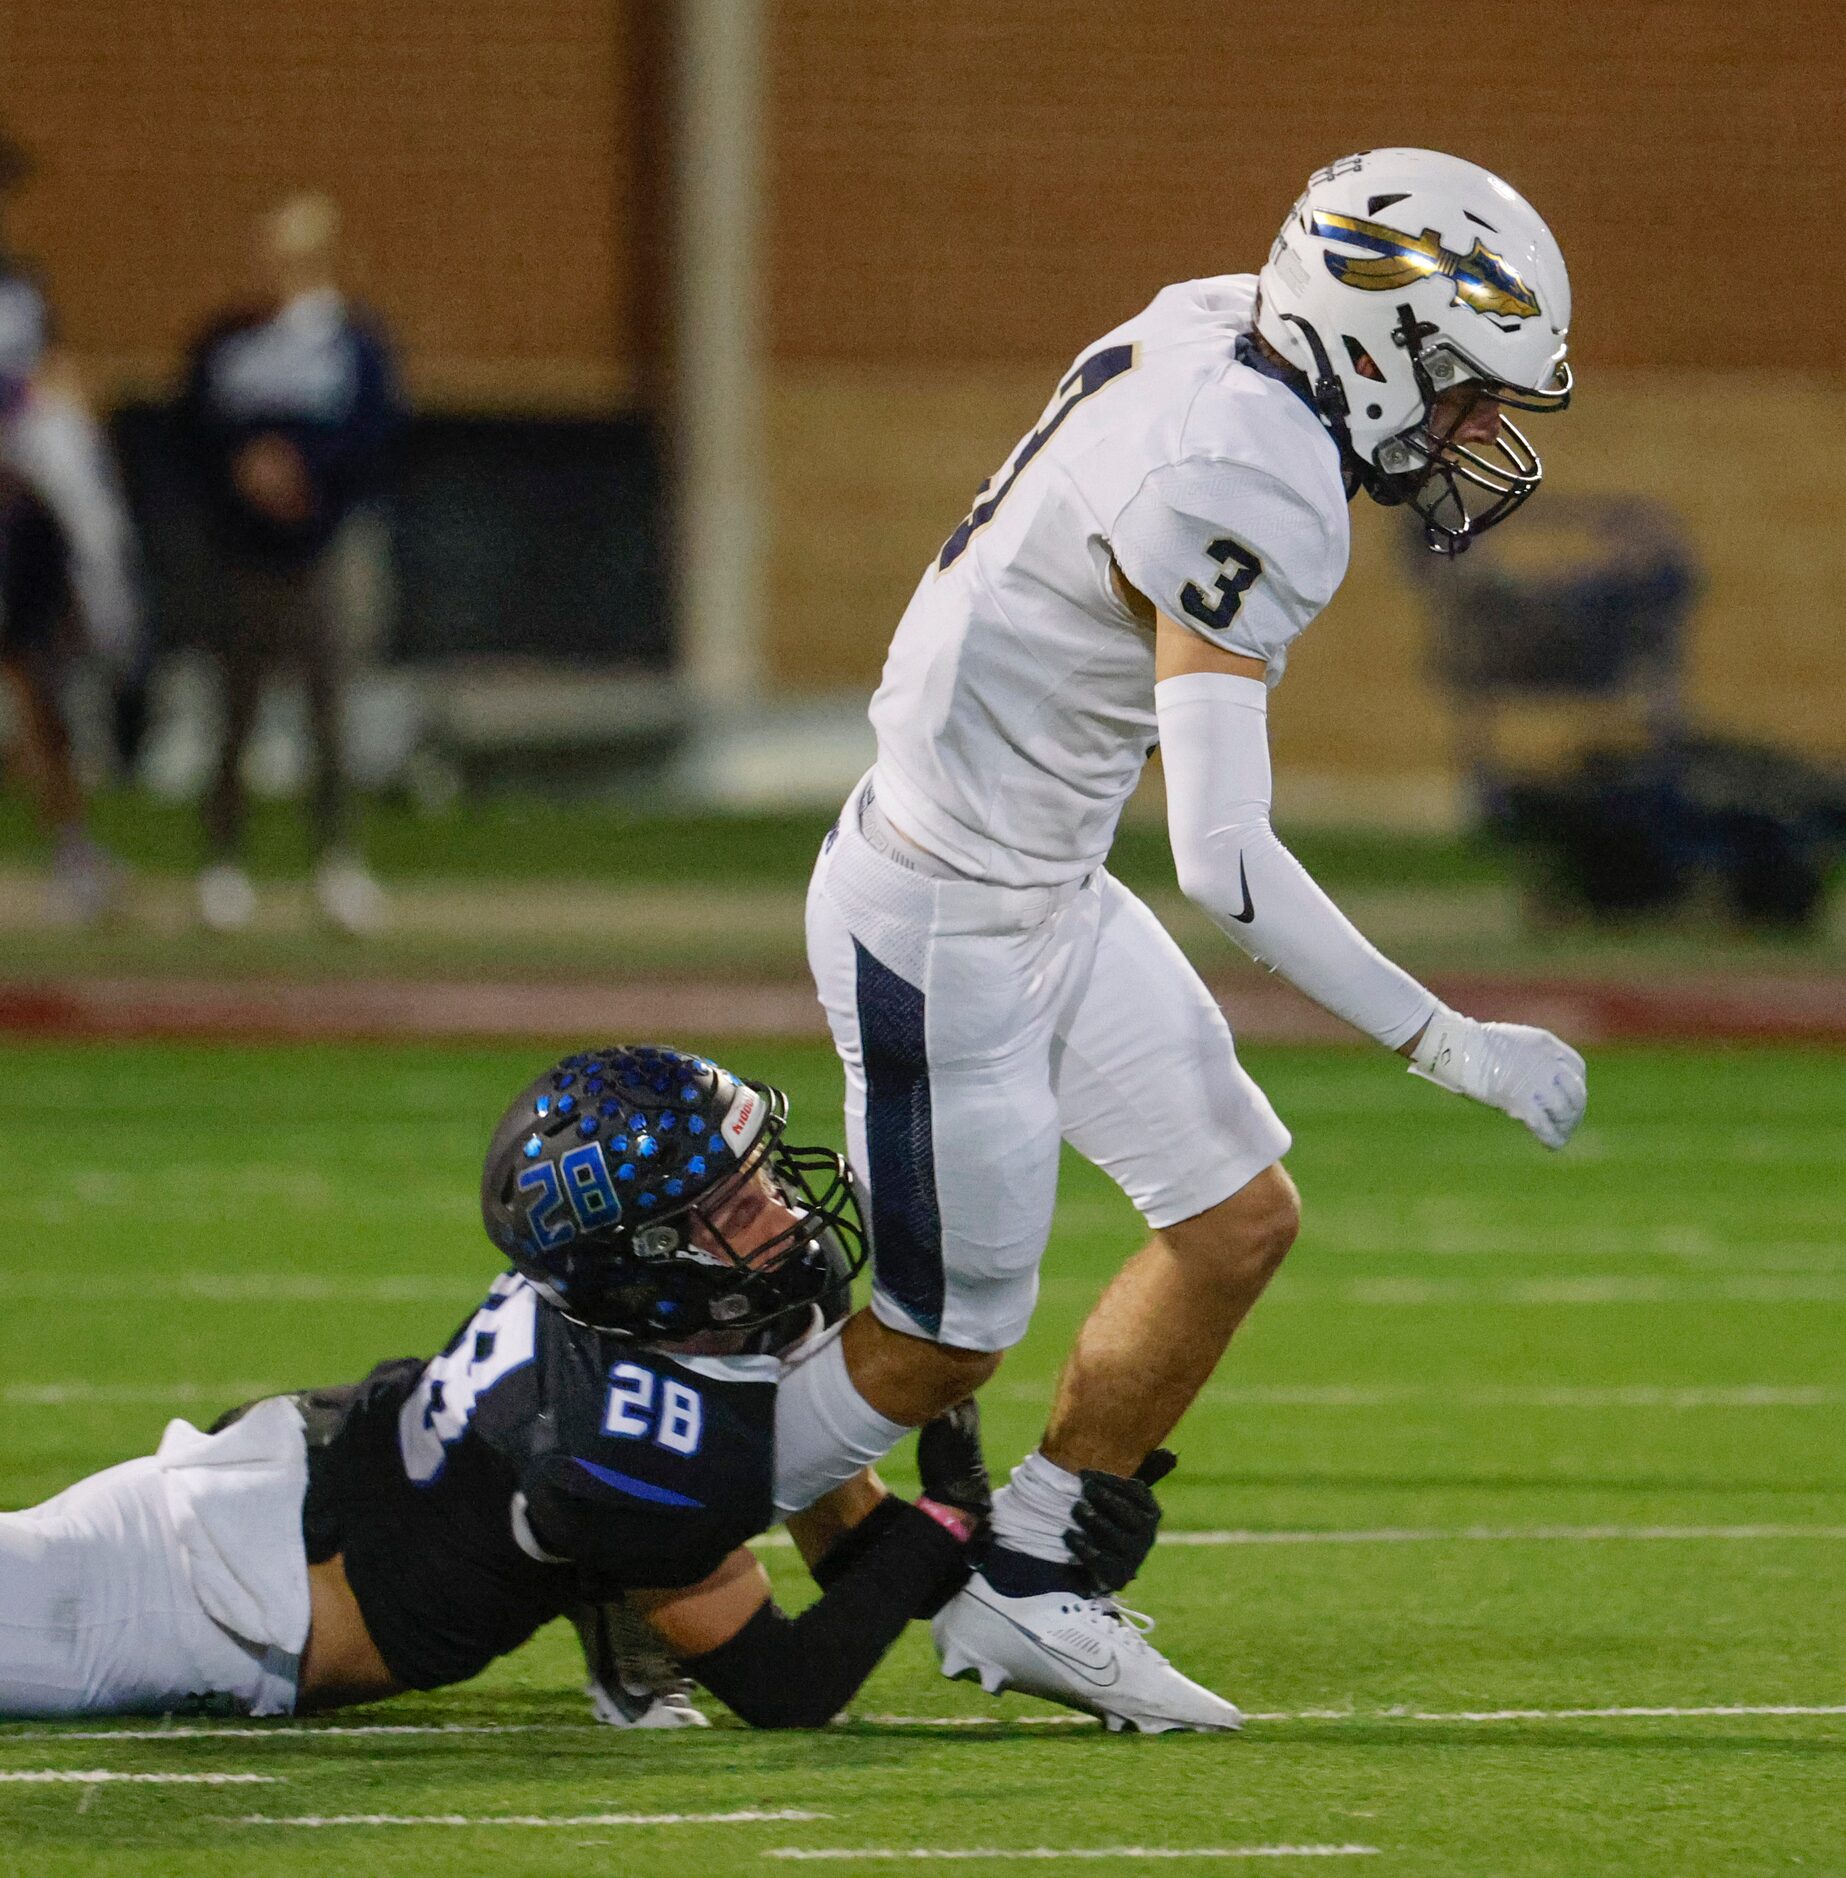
227,900
626,1707
634,1680
1088,1653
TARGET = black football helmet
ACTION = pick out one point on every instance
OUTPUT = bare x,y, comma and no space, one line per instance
602,1167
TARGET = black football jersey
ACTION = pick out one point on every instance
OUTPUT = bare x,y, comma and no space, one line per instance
417,1485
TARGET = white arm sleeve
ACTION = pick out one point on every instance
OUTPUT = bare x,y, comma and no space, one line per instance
1214,744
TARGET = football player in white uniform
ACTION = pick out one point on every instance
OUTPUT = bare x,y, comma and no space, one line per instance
1133,577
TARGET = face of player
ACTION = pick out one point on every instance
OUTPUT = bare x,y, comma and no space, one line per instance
1465,414
750,1218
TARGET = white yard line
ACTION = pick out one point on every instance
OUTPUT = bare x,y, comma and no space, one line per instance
288,1734
95,1776
298,1288
247,1287
751,1817
1441,1535
1742,1286
971,1721
1720,1711
131,1395
1438,1237
1511,1535
854,1853
1748,1395
1371,1717
1739,1289
283,1731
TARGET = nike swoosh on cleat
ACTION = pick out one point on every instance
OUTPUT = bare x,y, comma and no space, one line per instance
1249,908
1105,1676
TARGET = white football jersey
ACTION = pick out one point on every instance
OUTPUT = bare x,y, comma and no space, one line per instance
1017,706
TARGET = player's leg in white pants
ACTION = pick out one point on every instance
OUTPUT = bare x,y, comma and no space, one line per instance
955,1006
944,999
1150,1089
115,1594
1148,1083
944,996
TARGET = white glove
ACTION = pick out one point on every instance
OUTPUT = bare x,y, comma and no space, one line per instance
1527,1073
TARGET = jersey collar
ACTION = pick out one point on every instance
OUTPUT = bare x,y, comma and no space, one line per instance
1248,352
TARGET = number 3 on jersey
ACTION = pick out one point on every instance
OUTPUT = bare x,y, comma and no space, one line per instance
1218,608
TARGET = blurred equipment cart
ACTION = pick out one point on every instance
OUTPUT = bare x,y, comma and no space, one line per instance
1585,603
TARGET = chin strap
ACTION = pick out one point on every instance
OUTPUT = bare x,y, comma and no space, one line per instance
1328,393
1329,399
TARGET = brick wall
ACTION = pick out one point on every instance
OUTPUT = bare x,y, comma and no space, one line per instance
481,150
959,182
961,193
998,180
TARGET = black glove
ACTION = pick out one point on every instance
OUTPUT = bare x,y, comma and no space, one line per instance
951,1465
1116,1519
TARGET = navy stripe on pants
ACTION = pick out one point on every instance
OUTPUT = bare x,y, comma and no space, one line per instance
899,1142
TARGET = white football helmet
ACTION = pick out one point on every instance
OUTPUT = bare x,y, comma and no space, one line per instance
1398,275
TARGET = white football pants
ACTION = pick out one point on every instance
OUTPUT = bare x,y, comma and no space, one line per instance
978,1025
176,1581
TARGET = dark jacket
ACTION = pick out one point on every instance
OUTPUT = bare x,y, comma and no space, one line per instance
321,375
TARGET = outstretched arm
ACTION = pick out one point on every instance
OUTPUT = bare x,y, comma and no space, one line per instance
879,1560
778,1671
889,1560
1212,707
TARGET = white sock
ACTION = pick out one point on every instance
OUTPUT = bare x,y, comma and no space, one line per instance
825,1429
1032,1512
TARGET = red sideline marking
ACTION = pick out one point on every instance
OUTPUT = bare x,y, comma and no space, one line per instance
1708,1009
1716,1007
395,1010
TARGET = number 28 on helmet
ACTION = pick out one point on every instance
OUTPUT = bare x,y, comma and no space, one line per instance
1401,280
650,1194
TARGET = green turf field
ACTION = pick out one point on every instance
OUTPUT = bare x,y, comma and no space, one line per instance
511,883
1478,1357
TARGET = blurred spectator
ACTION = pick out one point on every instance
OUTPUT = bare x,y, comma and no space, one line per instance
68,571
287,410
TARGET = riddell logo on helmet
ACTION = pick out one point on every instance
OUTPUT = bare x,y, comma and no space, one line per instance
743,1121
1481,279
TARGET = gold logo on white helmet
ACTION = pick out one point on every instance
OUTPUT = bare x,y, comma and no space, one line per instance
1481,279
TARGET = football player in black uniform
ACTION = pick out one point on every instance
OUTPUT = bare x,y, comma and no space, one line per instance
597,1439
